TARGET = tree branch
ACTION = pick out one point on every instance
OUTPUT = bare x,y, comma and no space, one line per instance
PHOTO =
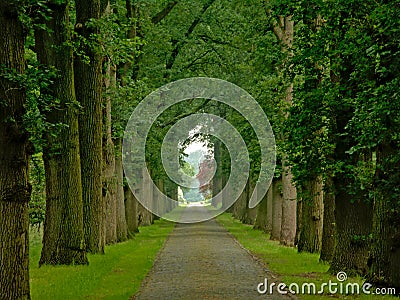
177,118
162,14
177,45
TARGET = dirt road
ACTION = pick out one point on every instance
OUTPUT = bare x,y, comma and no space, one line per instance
203,261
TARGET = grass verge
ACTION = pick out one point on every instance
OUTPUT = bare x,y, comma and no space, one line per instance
289,265
116,275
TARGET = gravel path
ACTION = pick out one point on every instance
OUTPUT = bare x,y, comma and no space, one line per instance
204,261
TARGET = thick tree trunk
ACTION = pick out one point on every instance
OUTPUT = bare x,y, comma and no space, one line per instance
354,222
353,214
276,209
262,213
385,250
329,224
312,217
88,87
63,240
14,158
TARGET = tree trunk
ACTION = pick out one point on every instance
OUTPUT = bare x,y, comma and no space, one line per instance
353,215
88,87
284,32
144,215
217,179
353,227
289,210
276,209
14,158
385,250
240,206
122,226
63,239
312,217
262,213
251,213
109,182
131,212
329,223
299,219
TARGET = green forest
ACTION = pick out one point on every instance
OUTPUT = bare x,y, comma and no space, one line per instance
326,73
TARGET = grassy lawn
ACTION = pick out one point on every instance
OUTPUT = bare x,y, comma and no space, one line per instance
289,265
115,275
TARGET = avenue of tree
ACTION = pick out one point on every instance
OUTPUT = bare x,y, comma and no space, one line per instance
326,74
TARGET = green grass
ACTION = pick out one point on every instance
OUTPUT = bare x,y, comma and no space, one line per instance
285,262
116,275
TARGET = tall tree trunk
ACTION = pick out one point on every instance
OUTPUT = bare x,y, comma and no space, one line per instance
120,195
14,158
284,32
385,250
88,87
312,217
353,213
329,223
276,209
63,239
109,182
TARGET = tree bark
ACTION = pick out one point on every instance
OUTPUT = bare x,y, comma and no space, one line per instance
385,250
276,209
63,240
240,206
14,158
125,201
329,223
88,87
284,32
109,182
217,179
262,213
131,212
353,214
144,215
312,217
289,210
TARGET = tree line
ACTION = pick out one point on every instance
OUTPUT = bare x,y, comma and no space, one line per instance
336,188
325,72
